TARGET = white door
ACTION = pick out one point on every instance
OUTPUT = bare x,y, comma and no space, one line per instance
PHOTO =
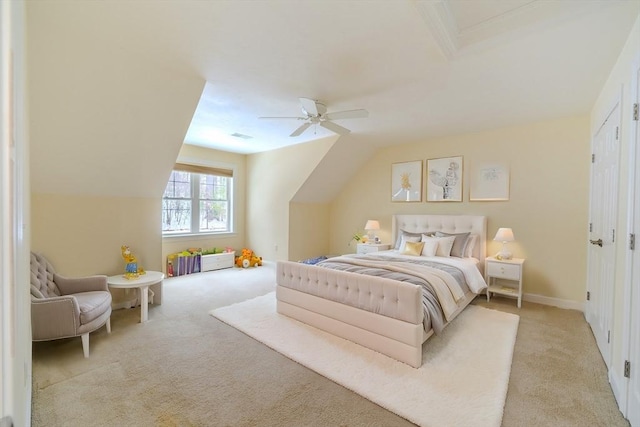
603,214
633,391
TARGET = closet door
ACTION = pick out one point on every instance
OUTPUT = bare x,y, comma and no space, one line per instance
602,248
633,294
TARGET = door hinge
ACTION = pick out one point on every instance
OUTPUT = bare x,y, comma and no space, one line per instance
590,227
632,242
613,235
627,369
635,112
617,130
588,296
593,158
608,337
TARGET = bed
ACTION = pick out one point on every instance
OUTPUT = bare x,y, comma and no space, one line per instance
384,312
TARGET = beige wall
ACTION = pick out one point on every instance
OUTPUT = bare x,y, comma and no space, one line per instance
82,235
547,210
618,87
235,240
308,225
273,178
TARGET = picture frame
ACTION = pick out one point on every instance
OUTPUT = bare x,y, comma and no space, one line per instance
406,181
489,182
444,179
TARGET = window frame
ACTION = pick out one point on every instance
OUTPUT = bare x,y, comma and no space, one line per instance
196,200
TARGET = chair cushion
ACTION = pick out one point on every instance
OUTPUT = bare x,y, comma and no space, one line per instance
42,284
92,305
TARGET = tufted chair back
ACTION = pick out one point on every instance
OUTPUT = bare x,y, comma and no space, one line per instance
42,284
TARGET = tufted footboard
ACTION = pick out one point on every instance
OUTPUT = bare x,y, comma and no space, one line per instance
382,314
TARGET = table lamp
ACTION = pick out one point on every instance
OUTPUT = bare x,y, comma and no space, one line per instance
370,227
504,235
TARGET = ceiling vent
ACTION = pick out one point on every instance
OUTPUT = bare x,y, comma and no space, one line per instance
241,136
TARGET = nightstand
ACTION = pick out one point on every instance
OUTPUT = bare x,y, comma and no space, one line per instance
509,273
367,248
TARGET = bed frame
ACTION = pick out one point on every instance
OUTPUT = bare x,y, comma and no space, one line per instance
382,314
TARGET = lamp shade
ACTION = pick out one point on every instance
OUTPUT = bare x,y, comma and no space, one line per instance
372,224
504,235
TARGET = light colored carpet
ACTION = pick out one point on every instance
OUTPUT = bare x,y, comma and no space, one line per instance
462,382
186,368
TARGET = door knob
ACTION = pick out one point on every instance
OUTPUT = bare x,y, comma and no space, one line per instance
596,242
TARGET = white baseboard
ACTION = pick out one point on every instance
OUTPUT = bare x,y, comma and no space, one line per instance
556,302
618,390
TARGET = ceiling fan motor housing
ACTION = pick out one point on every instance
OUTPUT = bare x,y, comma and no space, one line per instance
320,108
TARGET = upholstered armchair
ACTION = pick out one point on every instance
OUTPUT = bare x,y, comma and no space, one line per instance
67,307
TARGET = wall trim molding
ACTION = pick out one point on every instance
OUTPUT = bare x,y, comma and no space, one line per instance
556,302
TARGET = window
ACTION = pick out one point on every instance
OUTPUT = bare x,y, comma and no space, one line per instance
197,200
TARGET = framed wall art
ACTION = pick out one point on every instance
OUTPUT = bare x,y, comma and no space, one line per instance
444,179
489,182
406,181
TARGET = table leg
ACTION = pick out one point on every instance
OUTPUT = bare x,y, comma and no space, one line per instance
488,281
144,303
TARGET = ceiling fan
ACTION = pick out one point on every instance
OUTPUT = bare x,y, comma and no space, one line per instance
315,113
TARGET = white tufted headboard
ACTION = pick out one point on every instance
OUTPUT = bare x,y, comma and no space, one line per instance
447,224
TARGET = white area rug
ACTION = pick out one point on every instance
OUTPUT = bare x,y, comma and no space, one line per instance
463,380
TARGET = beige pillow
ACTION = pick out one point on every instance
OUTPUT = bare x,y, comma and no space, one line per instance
459,244
430,245
413,248
444,246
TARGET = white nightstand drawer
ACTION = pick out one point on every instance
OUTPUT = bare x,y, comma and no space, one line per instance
366,248
503,271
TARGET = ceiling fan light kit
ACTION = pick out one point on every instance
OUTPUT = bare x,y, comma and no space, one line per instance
315,113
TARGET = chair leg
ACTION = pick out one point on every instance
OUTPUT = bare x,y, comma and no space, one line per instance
85,344
109,325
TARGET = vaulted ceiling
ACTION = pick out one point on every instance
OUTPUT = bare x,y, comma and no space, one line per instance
421,68
116,87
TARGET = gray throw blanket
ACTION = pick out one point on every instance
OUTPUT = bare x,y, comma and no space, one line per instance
380,266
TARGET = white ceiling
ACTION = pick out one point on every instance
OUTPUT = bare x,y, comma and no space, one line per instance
421,68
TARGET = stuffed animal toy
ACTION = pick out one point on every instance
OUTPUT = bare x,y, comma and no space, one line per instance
255,261
248,259
132,269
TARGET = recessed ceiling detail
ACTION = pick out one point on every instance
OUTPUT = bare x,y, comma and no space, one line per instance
458,24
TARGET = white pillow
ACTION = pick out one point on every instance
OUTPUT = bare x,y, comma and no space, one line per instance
471,243
430,245
405,239
444,246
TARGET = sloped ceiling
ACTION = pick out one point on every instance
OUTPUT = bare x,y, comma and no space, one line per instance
105,118
113,85
422,68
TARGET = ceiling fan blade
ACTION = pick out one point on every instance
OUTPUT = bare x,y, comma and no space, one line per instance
301,129
335,128
350,114
309,105
280,117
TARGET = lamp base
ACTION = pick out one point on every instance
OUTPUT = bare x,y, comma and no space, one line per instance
504,252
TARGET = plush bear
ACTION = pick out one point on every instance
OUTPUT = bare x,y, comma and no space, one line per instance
248,259
255,261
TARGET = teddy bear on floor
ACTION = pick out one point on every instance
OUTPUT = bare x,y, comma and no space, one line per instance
248,259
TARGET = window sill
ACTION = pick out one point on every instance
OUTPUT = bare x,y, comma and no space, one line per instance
199,236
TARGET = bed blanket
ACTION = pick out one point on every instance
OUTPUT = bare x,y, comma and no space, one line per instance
443,285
